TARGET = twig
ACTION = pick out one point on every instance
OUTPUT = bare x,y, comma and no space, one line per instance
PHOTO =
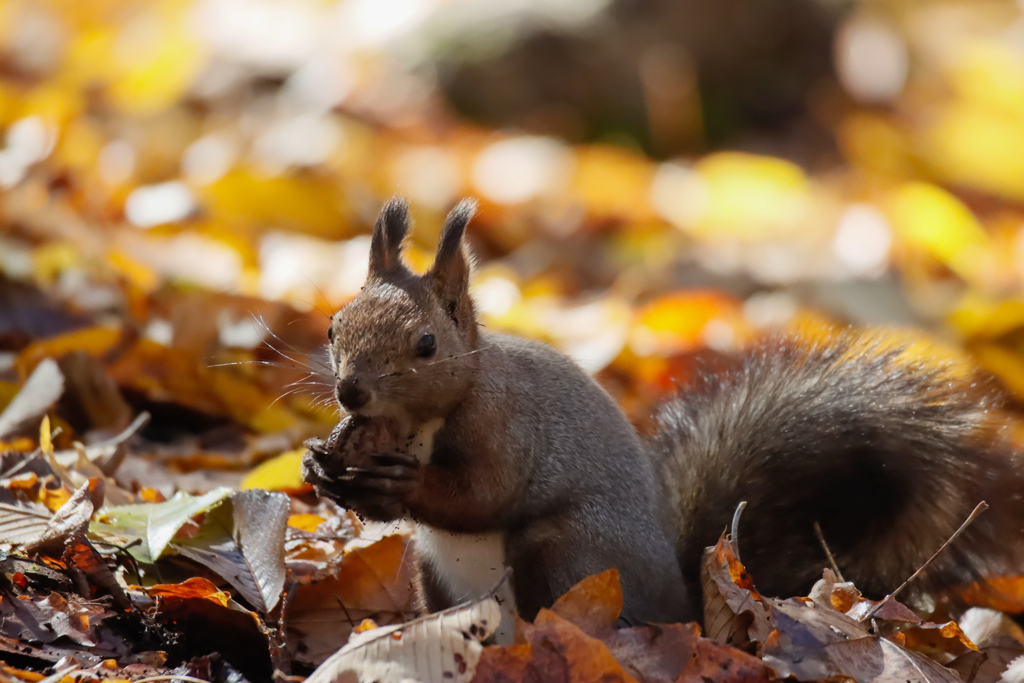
981,507
345,610
505,576
734,535
828,553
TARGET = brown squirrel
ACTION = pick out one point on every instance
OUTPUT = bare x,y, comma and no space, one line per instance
516,457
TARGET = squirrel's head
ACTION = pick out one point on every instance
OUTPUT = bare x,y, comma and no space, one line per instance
404,346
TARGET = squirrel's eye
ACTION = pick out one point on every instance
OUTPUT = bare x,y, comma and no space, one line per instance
426,346
330,334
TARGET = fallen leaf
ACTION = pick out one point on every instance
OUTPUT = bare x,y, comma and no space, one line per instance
21,524
733,610
242,540
721,663
373,579
999,639
941,642
87,566
305,522
42,389
283,473
811,643
70,520
1001,593
656,653
437,648
558,650
154,523
593,604
196,587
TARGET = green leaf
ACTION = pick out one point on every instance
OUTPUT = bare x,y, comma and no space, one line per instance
154,523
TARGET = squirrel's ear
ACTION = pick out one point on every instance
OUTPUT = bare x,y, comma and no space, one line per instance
450,271
386,243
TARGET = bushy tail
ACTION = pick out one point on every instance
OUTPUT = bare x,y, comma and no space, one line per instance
887,453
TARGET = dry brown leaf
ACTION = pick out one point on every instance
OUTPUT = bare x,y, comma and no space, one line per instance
437,648
70,520
830,592
1000,641
941,642
716,662
21,525
86,566
242,540
373,580
554,650
892,610
733,610
811,643
657,653
196,587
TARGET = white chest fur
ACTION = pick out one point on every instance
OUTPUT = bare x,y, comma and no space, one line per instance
467,565
421,443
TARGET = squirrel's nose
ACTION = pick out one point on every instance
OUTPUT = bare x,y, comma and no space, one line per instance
351,395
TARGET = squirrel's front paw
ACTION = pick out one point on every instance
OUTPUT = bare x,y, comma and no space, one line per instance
376,489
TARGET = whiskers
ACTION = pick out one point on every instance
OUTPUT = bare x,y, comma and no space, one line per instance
430,364
316,375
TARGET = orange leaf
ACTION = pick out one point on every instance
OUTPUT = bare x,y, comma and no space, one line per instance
1001,593
593,604
196,587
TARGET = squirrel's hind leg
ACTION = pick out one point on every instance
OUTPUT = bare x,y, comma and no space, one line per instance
551,555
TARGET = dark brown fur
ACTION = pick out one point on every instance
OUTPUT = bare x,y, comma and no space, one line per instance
888,454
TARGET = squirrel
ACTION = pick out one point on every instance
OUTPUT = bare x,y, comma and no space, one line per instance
515,457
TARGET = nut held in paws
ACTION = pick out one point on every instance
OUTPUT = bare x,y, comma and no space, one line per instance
357,439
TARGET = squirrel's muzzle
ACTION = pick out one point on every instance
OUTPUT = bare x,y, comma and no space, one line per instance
351,394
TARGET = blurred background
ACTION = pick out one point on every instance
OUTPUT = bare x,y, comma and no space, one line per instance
187,186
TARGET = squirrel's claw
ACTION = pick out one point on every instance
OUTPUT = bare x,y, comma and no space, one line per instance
376,492
313,470
406,460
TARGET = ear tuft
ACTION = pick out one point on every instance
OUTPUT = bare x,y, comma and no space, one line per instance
452,231
450,272
386,244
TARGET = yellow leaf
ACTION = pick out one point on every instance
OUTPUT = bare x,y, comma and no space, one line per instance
990,73
929,219
977,315
736,195
311,204
977,147
283,473
307,522
163,67
613,182
93,340
1004,364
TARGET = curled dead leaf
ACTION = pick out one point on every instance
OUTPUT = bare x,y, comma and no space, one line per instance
734,612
